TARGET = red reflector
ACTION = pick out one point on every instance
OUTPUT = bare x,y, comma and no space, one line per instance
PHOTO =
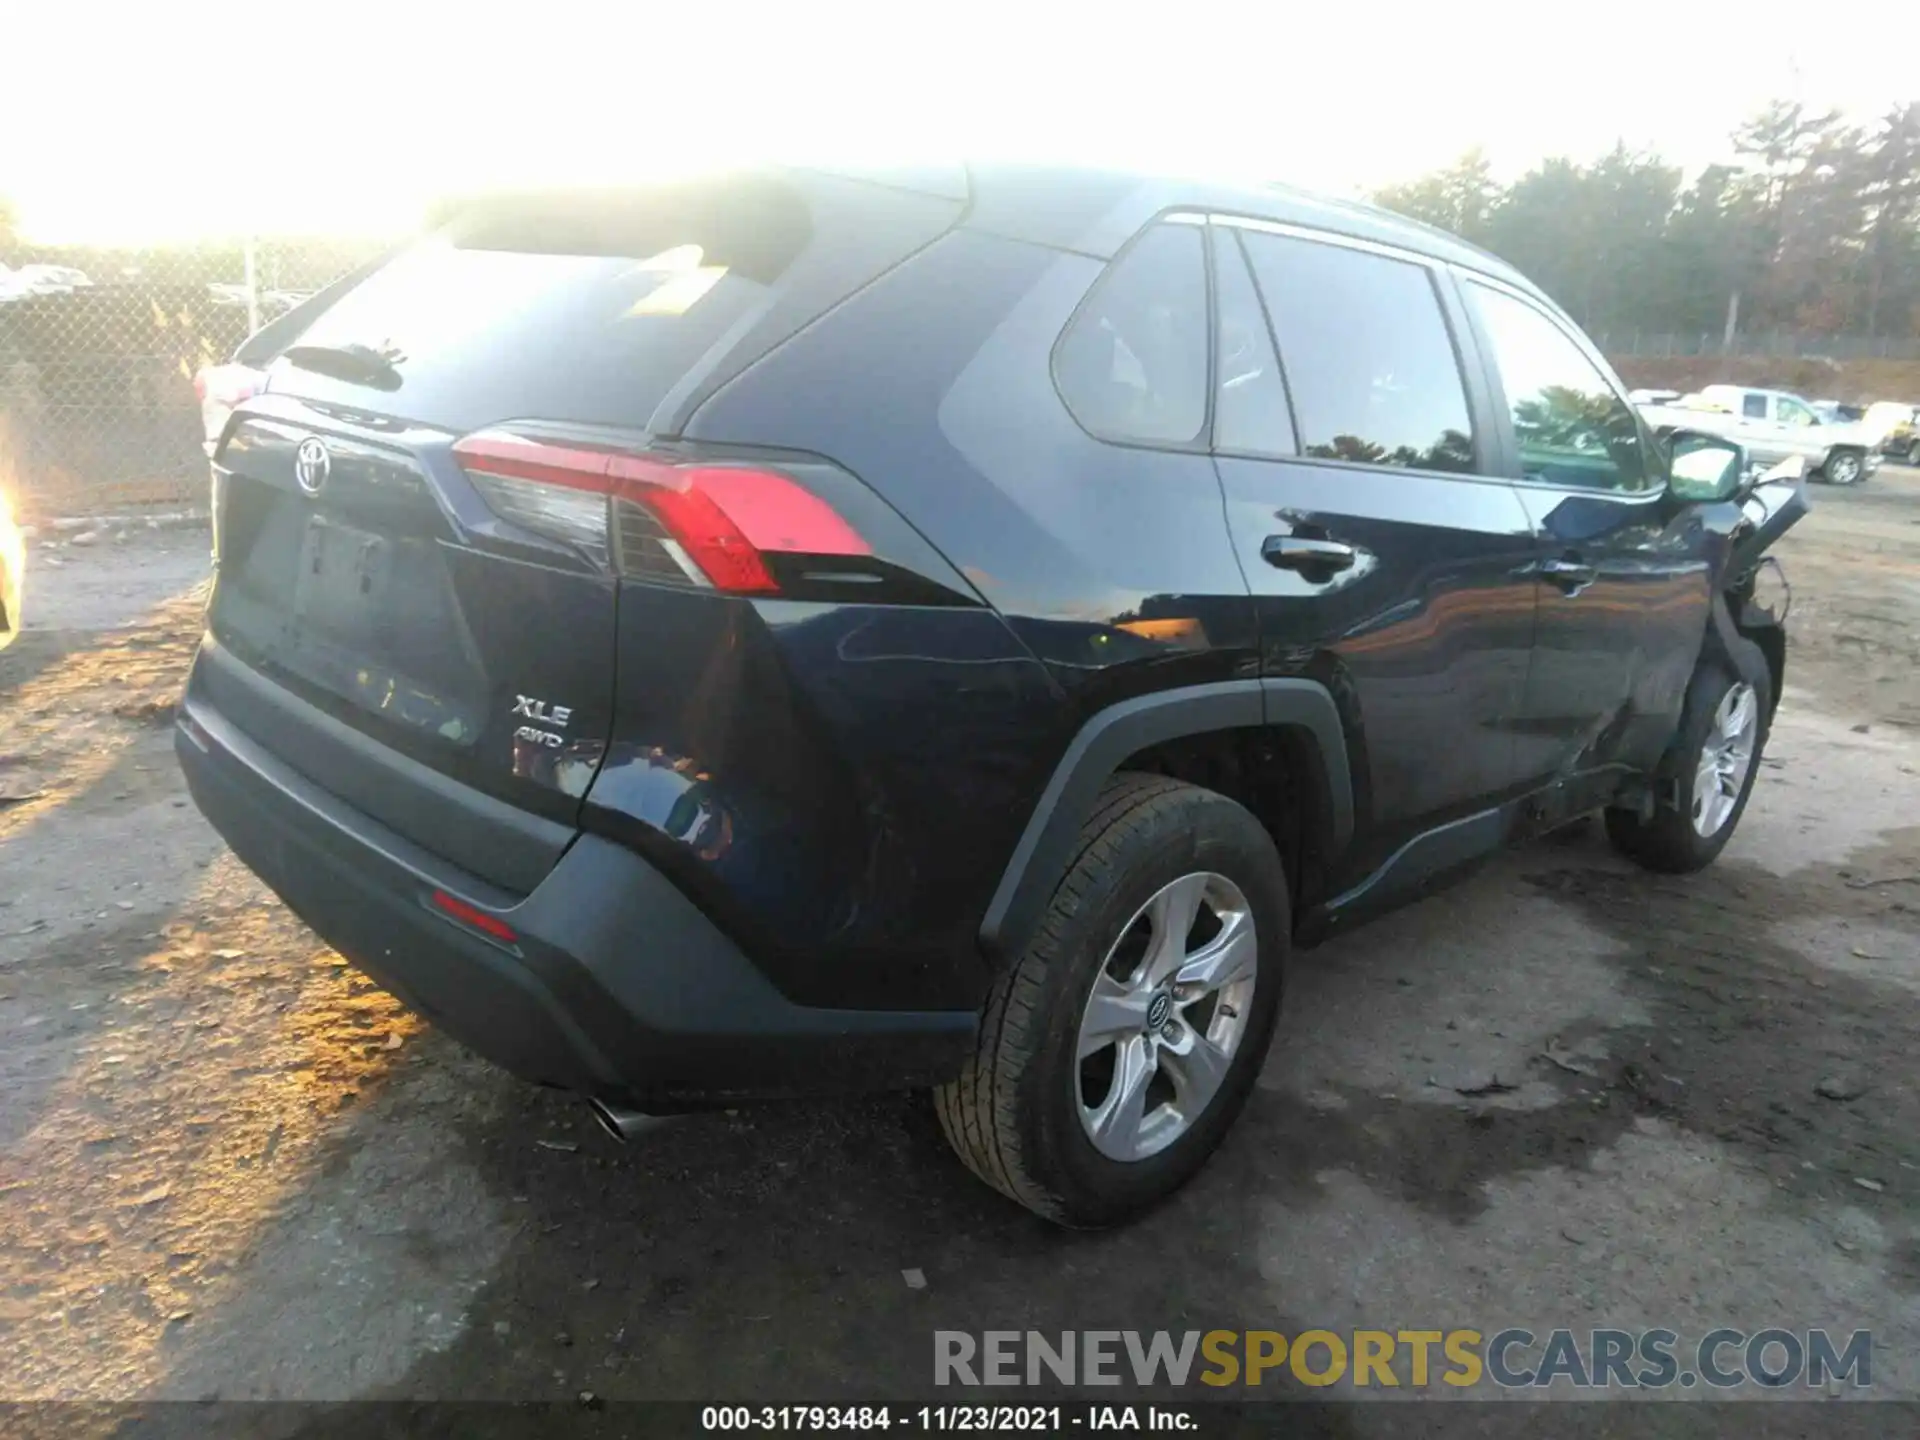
473,917
194,733
725,517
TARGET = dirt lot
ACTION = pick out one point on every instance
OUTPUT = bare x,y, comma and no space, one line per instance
230,1167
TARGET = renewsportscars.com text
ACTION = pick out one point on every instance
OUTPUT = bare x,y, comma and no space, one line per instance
1512,1358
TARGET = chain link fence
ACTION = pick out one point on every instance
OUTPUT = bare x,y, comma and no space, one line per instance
98,350
1761,345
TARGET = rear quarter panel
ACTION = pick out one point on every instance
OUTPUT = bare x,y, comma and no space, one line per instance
898,753
832,784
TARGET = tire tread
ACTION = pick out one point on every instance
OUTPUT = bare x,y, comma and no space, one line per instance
978,1110
1667,843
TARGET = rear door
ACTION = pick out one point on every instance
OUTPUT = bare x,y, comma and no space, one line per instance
1383,563
385,557
1623,572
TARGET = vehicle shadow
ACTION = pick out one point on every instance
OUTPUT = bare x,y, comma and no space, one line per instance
815,1249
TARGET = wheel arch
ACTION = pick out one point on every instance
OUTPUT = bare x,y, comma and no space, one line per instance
1300,712
1727,639
1771,638
1859,452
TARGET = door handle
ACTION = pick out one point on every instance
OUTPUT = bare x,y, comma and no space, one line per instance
1568,575
1307,556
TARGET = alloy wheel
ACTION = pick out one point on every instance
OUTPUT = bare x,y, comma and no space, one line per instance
1165,1016
1843,469
1725,757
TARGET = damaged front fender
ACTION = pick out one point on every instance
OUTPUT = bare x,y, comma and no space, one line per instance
1775,503
1755,597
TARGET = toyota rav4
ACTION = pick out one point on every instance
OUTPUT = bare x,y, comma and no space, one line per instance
795,632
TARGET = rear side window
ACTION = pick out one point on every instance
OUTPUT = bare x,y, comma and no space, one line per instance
1368,357
1571,427
1132,363
1754,407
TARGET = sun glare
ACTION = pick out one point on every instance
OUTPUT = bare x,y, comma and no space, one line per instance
286,126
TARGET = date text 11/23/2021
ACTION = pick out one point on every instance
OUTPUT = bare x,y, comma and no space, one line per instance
981,1419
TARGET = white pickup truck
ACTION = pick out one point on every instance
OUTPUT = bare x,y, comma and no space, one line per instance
1772,426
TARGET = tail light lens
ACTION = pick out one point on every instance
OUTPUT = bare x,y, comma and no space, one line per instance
701,523
222,388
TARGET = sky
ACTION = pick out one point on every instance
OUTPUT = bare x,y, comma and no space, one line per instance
344,116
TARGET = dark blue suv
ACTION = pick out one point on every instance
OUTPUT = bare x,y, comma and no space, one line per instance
794,631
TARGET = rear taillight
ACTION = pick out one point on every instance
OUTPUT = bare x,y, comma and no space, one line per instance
222,388
706,523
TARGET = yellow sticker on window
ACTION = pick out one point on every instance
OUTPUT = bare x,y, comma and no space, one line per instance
678,293
688,278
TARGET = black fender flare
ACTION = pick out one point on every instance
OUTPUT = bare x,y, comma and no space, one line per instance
1730,640
1109,737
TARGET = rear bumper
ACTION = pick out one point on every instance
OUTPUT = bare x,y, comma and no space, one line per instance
615,984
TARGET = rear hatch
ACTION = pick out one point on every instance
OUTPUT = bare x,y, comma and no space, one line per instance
419,522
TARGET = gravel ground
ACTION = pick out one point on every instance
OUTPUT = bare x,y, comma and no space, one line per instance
231,1167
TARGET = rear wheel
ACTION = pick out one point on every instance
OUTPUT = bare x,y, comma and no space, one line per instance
1708,775
1913,452
1845,467
1116,1053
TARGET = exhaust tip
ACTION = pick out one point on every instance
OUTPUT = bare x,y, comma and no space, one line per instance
622,1123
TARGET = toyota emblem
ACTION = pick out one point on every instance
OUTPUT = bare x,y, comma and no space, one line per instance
312,463
1159,1011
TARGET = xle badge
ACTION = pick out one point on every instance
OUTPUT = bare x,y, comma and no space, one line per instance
525,707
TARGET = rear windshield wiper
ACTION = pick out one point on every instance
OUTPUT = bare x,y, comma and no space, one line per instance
357,364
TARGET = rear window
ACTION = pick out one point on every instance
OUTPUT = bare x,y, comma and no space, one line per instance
594,306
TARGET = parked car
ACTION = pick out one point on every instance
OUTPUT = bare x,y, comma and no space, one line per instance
13,573
40,279
1894,428
270,303
795,634
1773,425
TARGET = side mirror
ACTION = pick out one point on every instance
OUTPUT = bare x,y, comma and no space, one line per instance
1705,467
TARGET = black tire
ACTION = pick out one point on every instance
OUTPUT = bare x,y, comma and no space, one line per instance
1851,468
1012,1115
1668,841
1913,453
